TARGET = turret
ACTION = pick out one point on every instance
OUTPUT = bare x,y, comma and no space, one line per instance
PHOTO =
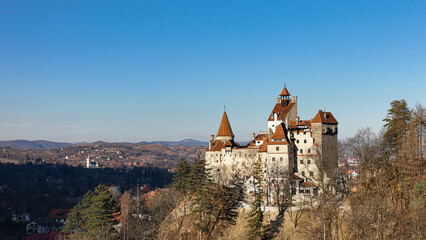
225,131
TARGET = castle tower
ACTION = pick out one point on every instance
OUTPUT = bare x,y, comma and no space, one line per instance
225,133
285,110
324,131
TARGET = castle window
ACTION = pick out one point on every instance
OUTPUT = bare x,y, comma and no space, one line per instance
304,133
297,132
311,174
297,141
301,150
303,173
309,150
217,160
277,148
301,161
273,159
264,170
281,159
304,141
309,161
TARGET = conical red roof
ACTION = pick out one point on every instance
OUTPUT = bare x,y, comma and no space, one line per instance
225,127
285,92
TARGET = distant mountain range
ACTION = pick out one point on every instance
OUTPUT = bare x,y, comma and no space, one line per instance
39,144
42,144
185,142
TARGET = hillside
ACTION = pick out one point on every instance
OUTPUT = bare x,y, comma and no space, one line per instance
36,144
106,154
43,144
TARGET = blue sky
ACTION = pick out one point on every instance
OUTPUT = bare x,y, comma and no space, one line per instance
163,70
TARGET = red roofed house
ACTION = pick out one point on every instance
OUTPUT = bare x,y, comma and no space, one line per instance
59,215
289,146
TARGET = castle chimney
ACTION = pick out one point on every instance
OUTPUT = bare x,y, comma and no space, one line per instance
297,119
254,136
211,142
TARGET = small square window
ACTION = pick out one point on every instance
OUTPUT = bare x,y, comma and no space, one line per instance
303,173
273,159
309,161
277,148
304,141
297,141
304,133
301,161
309,150
281,159
311,174
301,150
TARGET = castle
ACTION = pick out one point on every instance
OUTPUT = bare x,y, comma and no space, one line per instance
301,151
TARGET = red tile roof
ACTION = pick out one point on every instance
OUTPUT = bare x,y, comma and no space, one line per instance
217,145
58,213
280,135
280,132
145,189
45,236
295,177
260,136
307,184
324,117
264,147
281,111
285,92
294,124
225,127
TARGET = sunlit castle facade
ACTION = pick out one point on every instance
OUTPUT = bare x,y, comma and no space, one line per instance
290,148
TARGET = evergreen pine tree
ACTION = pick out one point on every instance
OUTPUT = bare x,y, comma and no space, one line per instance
92,217
181,180
203,194
396,125
255,217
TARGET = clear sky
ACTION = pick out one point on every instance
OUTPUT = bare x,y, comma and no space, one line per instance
163,70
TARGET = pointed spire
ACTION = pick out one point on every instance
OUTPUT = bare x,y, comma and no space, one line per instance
285,92
225,128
